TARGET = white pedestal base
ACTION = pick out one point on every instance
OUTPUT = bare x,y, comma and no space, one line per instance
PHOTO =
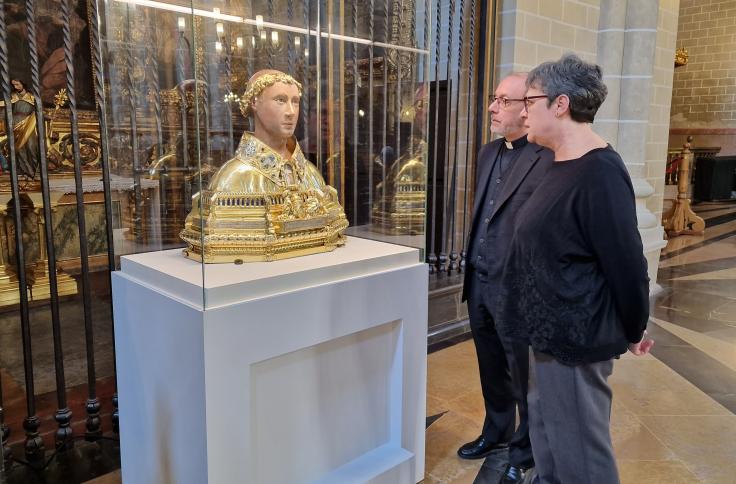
323,382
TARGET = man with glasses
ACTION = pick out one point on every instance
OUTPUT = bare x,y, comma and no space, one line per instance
508,170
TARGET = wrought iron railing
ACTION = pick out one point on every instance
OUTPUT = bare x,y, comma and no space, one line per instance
38,423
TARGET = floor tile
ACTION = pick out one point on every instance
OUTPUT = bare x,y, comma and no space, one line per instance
651,388
680,242
726,274
706,373
725,288
655,472
715,212
722,351
435,405
724,333
443,439
716,250
471,405
662,337
672,272
726,313
696,318
691,303
452,371
702,443
632,440
690,268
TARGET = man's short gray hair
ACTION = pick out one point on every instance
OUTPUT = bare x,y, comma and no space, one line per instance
580,81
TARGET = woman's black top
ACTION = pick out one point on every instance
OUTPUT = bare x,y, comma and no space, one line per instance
575,283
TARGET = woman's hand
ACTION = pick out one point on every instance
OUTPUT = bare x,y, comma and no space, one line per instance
642,347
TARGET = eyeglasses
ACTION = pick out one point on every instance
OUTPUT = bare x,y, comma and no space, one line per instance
528,100
502,101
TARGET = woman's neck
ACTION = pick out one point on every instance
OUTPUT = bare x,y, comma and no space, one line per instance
574,140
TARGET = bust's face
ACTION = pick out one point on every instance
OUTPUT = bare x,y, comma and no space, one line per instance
276,110
17,85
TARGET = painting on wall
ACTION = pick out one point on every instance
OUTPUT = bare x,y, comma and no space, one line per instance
52,66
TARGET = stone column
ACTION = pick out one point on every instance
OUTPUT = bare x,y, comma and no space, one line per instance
626,51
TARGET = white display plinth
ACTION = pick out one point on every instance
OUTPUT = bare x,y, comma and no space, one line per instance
310,369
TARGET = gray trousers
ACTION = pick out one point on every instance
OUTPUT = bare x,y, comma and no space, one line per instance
569,421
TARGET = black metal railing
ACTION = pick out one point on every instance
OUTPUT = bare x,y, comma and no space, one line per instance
165,136
454,137
35,270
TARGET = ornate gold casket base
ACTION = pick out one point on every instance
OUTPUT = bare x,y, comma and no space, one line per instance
249,228
401,208
261,207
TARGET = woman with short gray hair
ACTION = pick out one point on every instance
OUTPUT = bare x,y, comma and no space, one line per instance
578,290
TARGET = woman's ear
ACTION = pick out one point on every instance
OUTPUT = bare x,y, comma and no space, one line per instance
563,105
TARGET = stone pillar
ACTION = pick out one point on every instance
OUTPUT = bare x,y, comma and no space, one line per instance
626,50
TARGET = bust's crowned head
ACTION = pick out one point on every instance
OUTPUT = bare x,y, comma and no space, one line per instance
272,97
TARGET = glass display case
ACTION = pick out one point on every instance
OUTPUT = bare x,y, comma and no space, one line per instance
270,129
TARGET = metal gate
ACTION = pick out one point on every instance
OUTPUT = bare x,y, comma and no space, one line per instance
65,205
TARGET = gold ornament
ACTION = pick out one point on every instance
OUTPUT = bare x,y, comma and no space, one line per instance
261,206
60,99
681,57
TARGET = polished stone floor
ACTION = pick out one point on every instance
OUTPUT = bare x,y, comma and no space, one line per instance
673,415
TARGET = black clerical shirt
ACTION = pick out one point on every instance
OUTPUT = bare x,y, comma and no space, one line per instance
480,252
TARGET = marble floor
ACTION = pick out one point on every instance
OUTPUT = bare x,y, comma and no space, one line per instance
674,411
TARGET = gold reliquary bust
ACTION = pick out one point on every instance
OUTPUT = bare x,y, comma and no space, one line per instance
268,202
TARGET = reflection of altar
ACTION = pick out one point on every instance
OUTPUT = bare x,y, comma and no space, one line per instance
122,189
34,242
66,231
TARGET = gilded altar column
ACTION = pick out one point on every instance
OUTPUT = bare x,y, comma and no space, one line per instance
627,44
41,288
8,280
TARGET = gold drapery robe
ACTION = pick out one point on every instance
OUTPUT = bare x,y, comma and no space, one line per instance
24,133
261,206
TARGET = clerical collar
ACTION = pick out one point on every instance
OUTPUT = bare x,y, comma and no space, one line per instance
516,144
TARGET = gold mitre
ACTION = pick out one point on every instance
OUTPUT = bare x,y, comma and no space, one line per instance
261,206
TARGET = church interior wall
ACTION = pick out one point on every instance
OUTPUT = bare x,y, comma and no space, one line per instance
704,90
661,96
637,59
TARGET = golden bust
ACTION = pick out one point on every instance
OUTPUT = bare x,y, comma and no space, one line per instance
268,202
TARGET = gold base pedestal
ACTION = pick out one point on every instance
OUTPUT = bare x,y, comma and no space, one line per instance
398,223
276,248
